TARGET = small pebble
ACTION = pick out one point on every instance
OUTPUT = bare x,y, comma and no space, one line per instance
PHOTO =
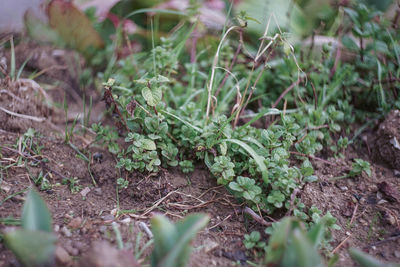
397,174
66,231
127,220
98,191
397,253
79,245
102,228
75,223
62,256
108,217
56,228
344,188
72,251
85,191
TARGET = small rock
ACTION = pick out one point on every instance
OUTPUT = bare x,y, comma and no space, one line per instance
102,254
98,191
363,222
209,245
62,256
397,253
396,173
79,245
85,191
75,223
71,250
108,217
344,188
114,212
66,231
6,188
373,187
102,228
126,221
56,228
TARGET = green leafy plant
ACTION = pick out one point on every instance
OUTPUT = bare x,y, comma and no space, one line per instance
171,241
122,183
223,169
291,245
186,166
42,181
359,166
253,242
34,244
73,184
246,188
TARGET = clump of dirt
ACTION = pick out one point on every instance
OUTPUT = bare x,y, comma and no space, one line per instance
23,105
387,142
53,65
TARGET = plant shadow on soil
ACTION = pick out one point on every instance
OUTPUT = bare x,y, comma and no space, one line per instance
367,208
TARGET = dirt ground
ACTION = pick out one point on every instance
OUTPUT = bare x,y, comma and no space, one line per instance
367,208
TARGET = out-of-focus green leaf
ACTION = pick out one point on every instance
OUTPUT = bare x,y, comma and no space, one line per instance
40,31
365,260
278,240
382,5
32,248
171,242
35,214
73,26
349,43
304,252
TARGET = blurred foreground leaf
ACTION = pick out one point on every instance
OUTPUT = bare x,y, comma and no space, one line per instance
32,248
40,31
34,244
35,214
73,26
171,241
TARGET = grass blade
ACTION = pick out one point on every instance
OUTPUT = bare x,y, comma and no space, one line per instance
259,159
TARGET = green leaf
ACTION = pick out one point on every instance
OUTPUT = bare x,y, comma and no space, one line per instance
365,260
316,234
152,97
40,31
304,253
32,248
349,43
148,144
159,79
235,186
35,214
171,242
259,159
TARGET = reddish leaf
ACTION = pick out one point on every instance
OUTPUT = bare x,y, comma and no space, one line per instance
73,26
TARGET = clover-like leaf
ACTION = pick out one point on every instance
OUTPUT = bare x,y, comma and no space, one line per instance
152,96
148,144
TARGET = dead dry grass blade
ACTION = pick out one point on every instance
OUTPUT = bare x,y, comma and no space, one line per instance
23,116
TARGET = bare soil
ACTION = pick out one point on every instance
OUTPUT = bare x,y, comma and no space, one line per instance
367,208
